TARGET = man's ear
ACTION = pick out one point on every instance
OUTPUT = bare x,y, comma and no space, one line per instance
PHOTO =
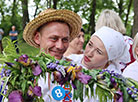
37,38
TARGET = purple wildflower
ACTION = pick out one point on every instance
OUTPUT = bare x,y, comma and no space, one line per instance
51,66
57,62
73,85
101,72
34,91
61,69
8,72
119,96
57,76
5,72
15,96
127,89
16,60
30,91
54,65
60,78
133,95
100,76
112,80
136,89
65,79
9,64
2,74
36,69
72,64
132,87
37,91
130,92
83,78
24,59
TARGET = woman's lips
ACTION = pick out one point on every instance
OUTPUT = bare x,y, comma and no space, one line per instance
86,59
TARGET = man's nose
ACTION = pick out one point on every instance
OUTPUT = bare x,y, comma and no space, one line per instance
59,44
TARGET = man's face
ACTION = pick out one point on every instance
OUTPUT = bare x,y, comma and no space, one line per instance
13,28
53,38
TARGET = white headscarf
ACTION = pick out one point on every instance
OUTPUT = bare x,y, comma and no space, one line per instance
115,46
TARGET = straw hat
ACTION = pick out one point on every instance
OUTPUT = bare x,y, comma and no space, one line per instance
49,15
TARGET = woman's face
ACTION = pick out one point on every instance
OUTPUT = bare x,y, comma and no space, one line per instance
95,55
78,42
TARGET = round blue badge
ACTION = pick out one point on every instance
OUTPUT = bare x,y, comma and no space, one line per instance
58,93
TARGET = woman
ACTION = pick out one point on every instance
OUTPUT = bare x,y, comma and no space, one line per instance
105,49
131,70
111,19
76,45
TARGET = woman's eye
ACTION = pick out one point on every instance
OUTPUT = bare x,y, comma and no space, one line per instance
99,52
90,45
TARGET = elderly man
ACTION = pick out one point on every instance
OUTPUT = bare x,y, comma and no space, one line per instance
51,32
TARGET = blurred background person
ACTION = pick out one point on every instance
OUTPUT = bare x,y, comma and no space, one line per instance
111,19
76,45
1,33
13,35
131,70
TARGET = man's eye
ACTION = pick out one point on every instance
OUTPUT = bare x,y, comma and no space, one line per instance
54,39
65,40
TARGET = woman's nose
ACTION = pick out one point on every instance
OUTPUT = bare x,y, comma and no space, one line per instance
82,39
91,52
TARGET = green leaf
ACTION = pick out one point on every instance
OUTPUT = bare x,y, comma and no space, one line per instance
23,86
14,79
126,98
78,93
91,84
103,95
42,65
31,83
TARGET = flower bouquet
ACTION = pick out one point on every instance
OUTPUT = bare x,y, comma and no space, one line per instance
19,74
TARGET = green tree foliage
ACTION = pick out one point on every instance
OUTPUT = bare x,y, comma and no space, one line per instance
12,14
